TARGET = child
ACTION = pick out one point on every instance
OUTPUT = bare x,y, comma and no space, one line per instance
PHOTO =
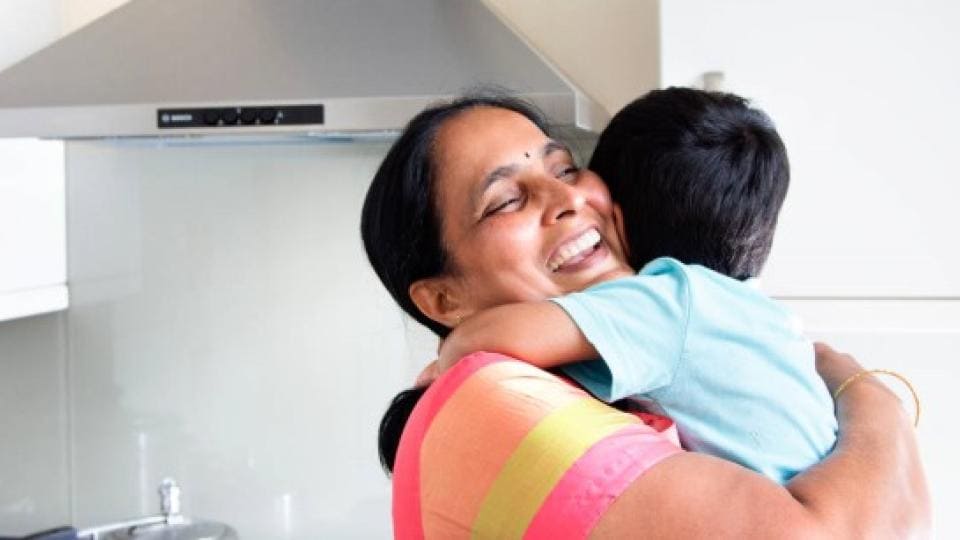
700,178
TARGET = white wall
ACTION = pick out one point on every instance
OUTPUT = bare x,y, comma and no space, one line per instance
609,49
76,13
864,94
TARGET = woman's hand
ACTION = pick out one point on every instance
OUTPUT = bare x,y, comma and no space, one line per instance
834,367
884,488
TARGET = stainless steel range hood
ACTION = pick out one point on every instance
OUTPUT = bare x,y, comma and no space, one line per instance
158,68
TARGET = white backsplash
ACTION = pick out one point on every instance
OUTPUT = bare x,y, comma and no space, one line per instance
225,329
33,424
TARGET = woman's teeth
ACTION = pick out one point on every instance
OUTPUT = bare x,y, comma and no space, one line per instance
574,248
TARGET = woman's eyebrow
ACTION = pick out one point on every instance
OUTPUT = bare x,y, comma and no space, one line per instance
506,171
501,172
552,146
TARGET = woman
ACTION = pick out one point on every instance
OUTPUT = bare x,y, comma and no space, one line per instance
464,215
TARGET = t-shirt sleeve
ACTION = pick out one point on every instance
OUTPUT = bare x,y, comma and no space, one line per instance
638,326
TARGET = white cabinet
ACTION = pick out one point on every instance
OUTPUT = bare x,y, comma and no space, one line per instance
32,215
32,228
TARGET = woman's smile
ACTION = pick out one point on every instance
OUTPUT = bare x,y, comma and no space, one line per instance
576,253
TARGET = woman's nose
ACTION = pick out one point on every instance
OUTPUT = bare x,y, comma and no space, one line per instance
563,201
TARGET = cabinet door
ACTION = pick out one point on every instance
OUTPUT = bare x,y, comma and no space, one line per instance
32,220
32,228
864,94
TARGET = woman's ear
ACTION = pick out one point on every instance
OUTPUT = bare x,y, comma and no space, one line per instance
438,299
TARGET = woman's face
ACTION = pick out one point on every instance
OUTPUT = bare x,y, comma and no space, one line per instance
520,221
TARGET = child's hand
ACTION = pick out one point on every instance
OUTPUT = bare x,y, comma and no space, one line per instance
447,354
428,375
433,370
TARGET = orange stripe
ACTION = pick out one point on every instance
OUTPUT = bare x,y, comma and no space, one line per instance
407,521
474,435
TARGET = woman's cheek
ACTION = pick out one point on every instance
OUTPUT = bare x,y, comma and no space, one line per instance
599,197
514,230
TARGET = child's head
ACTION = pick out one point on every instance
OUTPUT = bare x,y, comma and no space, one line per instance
700,176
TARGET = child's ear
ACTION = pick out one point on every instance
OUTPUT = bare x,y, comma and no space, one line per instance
621,232
439,299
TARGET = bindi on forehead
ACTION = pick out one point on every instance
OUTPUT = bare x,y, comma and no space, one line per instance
470,143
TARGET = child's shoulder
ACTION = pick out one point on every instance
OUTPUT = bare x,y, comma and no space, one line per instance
703,284
685,283
699,274
716,295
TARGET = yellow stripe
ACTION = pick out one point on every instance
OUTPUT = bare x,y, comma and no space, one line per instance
540,461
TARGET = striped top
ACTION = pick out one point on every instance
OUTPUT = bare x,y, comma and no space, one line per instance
497,448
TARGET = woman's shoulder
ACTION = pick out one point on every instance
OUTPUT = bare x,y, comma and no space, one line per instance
501,446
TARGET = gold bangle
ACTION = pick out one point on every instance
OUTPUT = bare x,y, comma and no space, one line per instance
853,378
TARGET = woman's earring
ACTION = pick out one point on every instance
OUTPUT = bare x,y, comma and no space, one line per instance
457,321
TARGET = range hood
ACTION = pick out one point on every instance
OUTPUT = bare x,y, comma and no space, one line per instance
169,68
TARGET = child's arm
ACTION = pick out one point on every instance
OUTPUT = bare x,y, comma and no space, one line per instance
636,324
540,333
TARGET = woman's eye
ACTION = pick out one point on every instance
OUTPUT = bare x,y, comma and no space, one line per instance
568,173
501,206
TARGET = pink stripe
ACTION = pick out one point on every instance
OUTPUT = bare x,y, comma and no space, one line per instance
595,480
407,519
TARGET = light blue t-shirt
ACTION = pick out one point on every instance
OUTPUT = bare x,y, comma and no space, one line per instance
728,364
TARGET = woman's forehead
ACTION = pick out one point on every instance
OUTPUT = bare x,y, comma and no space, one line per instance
479,140
487,132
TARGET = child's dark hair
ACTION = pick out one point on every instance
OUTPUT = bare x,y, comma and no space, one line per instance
700,176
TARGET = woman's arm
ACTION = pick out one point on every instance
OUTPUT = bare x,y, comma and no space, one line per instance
871,486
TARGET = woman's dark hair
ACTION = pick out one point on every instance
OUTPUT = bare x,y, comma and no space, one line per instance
701,177
393,422
401,228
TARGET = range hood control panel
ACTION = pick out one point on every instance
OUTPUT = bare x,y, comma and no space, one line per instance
250,116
